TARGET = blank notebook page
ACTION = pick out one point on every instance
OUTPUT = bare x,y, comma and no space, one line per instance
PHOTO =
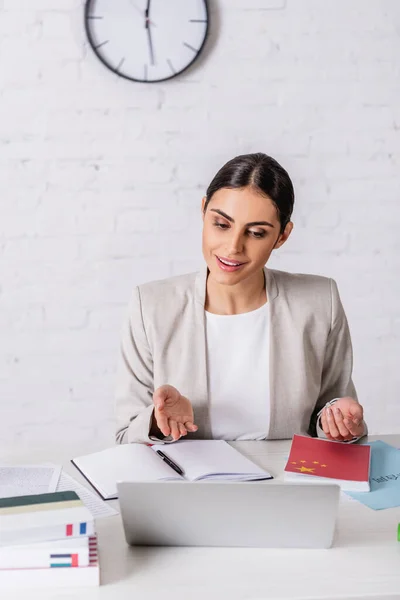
129,462
211,459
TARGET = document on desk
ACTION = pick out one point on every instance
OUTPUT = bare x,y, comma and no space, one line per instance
384,478
26,480
199,460
97,507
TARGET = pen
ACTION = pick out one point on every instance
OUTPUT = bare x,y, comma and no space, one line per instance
169,462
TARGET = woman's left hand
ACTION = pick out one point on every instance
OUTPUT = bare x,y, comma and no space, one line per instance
343,420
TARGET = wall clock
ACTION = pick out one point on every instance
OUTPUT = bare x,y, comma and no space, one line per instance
147,40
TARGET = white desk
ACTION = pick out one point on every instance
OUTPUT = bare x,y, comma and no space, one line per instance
364,562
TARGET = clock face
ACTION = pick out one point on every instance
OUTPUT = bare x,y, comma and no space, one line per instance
147,40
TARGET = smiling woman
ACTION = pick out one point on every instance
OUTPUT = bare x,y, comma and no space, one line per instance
238,351
246,214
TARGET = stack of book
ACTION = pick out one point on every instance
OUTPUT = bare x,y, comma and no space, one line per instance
47,540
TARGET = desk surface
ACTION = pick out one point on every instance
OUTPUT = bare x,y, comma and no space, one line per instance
364,562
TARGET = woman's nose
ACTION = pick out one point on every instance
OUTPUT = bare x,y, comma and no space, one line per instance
236,244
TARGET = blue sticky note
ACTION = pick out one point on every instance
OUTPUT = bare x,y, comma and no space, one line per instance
384,478
82,529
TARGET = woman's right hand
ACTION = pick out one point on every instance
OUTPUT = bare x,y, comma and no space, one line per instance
173,412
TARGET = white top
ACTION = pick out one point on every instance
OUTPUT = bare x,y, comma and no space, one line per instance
238,374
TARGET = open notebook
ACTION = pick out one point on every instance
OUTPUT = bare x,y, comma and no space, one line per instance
200,460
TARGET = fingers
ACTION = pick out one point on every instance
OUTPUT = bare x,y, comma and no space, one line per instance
159,399
173,412
325,425
324,422
162,422
337,427
182,429
332,432
341,424
191,426
174,429
356,429
357,413
171,427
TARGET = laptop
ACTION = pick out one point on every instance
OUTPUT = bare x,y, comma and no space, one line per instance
250,514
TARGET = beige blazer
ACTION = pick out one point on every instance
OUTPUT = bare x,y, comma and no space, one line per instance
163,342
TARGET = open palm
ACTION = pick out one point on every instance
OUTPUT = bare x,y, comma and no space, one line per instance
173,412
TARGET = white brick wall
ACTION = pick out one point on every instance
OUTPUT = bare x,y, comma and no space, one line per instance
101,181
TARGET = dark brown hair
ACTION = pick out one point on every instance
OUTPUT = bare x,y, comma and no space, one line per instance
261,172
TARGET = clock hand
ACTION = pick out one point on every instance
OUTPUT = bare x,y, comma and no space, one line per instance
150,45
147,14
147,26
148,8
140,10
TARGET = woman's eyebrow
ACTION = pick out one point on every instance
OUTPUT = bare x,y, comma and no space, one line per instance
252,224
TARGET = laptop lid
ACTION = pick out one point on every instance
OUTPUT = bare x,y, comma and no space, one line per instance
252,514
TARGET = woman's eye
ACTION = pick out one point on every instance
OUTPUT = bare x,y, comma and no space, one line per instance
258,234
221,225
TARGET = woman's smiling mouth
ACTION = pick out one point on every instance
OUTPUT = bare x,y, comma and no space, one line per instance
227,264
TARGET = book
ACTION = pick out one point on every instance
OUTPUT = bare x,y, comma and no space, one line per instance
72,552
54,577
384,478
43,517
318,460
200,460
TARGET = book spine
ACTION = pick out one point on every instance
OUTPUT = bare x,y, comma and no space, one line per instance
48,518
44,558
49,578
54,577
39,499
42,534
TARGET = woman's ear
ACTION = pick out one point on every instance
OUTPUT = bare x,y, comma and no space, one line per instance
203,203
284,236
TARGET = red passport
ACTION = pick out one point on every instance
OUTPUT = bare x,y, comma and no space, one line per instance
318,460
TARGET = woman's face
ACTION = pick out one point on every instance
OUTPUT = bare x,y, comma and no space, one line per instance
240,230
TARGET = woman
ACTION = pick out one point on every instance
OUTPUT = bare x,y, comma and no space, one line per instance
238,351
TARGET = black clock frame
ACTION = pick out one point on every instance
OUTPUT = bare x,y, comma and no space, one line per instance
87,13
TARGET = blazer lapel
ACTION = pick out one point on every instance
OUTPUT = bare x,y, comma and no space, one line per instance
275,348
199,376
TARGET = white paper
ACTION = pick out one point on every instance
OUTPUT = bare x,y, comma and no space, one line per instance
212,459
126,462
97,507
26,480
